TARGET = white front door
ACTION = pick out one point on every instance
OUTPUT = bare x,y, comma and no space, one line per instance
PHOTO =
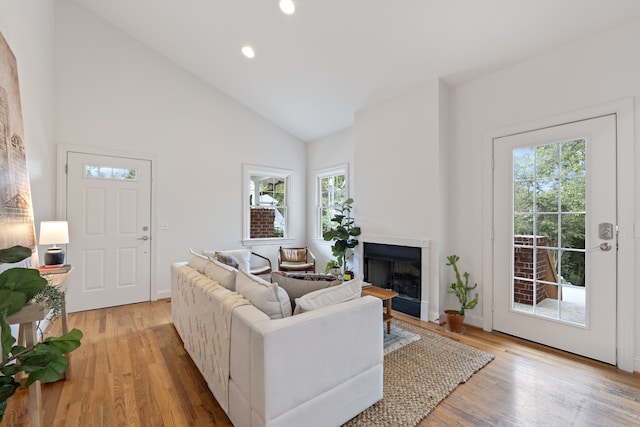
555,244
109,215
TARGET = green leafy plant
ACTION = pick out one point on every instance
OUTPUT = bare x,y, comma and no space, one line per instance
343,233
332,263
460,288
43,361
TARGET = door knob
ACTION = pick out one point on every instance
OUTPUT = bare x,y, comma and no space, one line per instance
605,246
143,238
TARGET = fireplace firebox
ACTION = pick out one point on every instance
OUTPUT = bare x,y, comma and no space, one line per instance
397,268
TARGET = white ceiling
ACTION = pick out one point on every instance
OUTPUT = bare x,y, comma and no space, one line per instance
314,69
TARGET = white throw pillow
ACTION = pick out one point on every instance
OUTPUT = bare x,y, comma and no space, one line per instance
197,260
243,256
267,297
221,273
333,295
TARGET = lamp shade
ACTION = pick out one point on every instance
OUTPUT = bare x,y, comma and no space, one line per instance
54,233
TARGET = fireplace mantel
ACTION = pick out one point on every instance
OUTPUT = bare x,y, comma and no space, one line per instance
400,241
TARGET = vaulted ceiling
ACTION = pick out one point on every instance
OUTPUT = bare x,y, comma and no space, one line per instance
315,68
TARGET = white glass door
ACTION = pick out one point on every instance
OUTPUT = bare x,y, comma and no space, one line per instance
555,237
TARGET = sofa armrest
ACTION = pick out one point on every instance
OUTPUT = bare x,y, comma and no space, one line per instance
299,358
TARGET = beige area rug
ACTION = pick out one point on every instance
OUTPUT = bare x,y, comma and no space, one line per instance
420,375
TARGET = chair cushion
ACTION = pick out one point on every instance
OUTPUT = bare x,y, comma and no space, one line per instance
293,254
269,298
295,266
297,284
329,296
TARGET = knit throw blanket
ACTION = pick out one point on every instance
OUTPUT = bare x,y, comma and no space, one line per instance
202,316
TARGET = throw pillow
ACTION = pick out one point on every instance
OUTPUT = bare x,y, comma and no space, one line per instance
242,257
297,284
197,261
221,273
329,296
226,259
267,297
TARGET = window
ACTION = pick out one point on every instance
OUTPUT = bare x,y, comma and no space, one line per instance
108,172
266,201
331,191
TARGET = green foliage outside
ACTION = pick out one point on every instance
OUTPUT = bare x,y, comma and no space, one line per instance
333,191
44,361
549,200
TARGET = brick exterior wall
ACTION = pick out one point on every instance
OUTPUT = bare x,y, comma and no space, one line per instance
262,221
524,268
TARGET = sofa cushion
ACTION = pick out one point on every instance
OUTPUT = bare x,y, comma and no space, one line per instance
333,295
221,273
299,284
269,298
197,260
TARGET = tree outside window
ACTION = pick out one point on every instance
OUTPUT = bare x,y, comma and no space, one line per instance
332,190
266,192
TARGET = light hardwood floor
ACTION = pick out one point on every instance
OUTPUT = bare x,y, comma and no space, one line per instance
133,371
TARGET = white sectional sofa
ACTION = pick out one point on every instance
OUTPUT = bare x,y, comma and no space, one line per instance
319,368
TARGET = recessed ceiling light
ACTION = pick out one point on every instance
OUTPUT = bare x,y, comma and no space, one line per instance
248,52
287,6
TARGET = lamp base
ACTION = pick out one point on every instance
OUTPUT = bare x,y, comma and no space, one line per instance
54,257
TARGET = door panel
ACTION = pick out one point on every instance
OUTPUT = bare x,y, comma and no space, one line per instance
109,212
554,282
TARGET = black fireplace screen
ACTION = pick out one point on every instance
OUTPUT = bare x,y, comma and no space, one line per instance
394,267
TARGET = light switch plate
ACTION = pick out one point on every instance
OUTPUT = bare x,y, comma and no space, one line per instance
163,225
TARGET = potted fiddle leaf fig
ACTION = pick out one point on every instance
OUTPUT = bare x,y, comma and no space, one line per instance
461,289
43,361
343,233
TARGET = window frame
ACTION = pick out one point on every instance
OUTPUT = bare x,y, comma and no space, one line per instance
286,175
342,169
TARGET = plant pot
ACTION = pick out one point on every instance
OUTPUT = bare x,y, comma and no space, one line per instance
454,321
335,271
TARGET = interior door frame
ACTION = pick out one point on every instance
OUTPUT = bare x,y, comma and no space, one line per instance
61,194
624,111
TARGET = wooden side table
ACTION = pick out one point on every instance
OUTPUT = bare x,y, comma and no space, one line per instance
386,296
28,319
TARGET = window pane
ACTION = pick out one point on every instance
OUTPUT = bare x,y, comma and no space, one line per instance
573,231
547,226
267,200
108,172
331,192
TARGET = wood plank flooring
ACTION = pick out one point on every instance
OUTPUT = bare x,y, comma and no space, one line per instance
133,371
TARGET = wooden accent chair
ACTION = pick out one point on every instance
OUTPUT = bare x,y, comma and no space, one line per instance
296,259
260,266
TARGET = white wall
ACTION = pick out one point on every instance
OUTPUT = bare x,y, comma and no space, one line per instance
328,152
577,76
28,28
397,173
113,92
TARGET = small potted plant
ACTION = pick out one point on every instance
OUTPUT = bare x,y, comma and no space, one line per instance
332,267
461,289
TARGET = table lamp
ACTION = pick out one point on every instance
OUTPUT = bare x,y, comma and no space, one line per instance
54,233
